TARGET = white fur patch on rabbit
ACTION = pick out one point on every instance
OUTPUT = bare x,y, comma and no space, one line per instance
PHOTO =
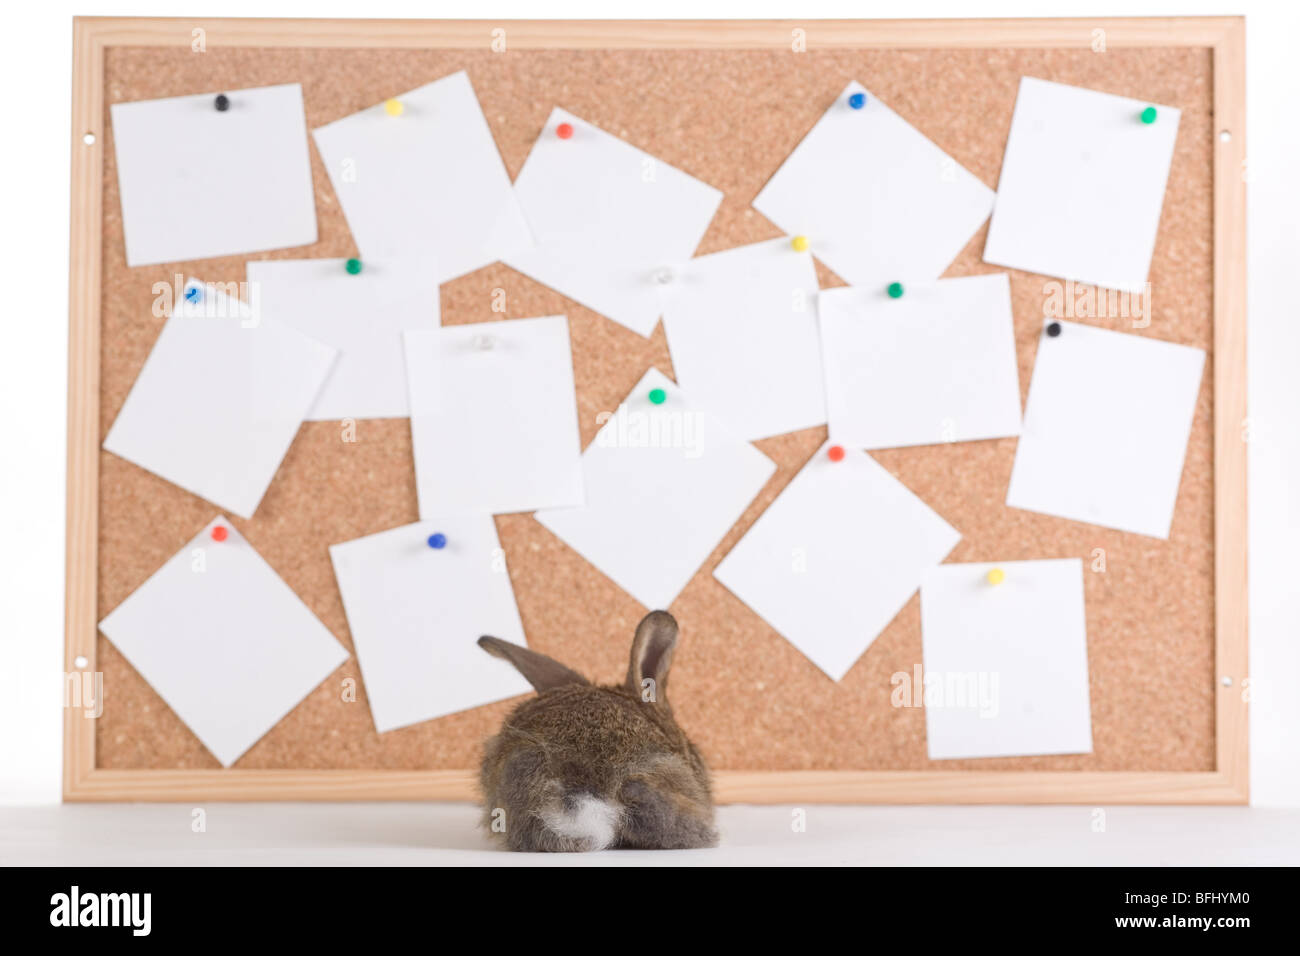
590,822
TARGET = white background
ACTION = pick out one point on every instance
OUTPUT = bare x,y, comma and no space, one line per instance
35,62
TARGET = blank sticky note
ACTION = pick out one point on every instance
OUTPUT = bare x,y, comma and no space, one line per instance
665,481
608,220
1006,665
877,200
936,365
1082,183
836,556
220,398
1106,427
494,420
223,641
198,182
362,315
742,328
416,614
427,182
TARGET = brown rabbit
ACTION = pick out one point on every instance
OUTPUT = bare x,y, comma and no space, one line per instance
586,767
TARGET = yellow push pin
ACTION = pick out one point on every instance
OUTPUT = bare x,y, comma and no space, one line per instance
995,576
393,107
799,243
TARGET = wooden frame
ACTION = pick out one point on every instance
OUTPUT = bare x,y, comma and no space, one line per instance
1225,36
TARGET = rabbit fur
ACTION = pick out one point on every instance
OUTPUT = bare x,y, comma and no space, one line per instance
583,766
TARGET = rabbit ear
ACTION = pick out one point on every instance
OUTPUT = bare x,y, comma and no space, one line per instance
541,671
652,654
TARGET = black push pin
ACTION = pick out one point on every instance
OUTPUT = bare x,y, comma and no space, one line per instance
222,102
1054,329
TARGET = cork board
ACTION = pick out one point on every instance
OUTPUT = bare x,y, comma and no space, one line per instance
751,701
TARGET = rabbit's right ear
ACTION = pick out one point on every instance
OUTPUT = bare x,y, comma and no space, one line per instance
652,655
540,671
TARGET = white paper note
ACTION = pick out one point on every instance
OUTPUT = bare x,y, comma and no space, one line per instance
742,328
608,220
1106,428
198,182
362,315
1006,665
428,182
878,202
223,641
836,556
935,365
220,398
494,420
1082,183
416,614
664,483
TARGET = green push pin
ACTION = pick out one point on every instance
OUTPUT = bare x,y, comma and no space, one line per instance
1148,115
895,290
353,266
657,396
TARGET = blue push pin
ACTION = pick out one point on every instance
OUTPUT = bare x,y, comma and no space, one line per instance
193,294
438,541
858,100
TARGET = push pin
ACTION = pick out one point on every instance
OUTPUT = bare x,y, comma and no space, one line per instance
219,533
664,276
835,453
858,100
353,266
484,342
222,102
1148,115
895,290
394,107
1054,329
437,541
564,131
657,396
193,293
799,243
995,576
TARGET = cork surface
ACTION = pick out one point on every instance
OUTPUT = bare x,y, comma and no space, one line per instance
750,700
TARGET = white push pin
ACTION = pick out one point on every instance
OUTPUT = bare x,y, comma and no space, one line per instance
664,276
484,343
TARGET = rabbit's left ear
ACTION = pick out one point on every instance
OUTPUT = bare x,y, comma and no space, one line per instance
541,671
652,654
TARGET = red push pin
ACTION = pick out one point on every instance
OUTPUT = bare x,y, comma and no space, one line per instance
835,453
219,533
564,131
